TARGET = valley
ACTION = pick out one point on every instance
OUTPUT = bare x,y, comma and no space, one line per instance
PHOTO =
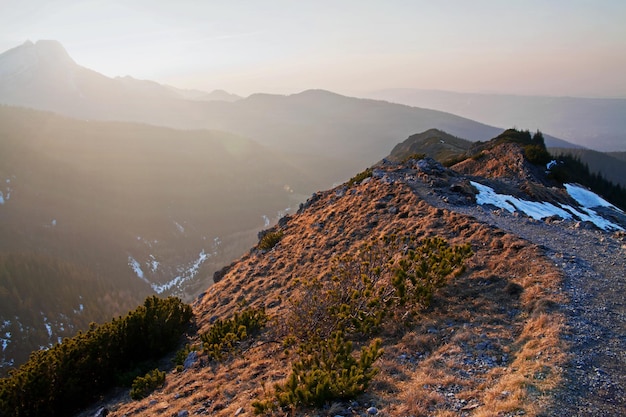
114,189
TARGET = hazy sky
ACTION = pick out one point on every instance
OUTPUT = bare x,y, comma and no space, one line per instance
559,47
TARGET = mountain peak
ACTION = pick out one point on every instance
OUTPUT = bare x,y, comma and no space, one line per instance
43,50
29,55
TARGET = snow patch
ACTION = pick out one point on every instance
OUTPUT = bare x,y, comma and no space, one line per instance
536,210
550,164
187,275
1,198
48,328
589,215
540,210
153,264
136,266
266,220
5,340
180,228
587,198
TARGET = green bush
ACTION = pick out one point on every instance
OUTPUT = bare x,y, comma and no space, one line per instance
70,375
537,154
325,371
360,177
424,269
353,300
224,336
388,276
144,385
270,239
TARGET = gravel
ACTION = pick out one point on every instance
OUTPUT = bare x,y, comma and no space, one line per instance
594,266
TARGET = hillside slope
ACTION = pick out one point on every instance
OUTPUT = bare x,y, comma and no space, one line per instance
595,123
136,209
611,165
433,143
327,135
493,340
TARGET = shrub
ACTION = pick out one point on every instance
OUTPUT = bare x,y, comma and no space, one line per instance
144,385
424,269
360,177
325,371
224,336
537,154
60,380
389,276
269,239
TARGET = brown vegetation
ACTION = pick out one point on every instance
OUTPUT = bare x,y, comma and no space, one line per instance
487,345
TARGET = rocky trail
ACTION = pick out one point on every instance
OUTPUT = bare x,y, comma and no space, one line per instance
594,268
536,328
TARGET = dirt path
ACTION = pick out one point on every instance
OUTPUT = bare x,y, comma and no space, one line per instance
594,266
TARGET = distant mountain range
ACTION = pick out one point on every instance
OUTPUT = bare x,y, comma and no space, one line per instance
324,133
594,123
141,188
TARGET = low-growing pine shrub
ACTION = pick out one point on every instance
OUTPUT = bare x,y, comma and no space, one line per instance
224,336
424,268
325,371
360,177
270,239
144,385
389,276
386,279
70,375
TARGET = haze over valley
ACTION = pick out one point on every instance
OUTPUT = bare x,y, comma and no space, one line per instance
152,149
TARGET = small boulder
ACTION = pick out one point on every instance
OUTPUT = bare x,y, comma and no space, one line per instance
190,360
102,412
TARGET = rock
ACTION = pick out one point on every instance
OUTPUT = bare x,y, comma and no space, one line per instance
183,413
513,289
102,412
218,275
372,411
239,411
282,222
190,360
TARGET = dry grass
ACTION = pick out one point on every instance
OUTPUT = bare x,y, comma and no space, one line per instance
488,345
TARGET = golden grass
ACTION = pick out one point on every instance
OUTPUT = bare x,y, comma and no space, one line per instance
434,367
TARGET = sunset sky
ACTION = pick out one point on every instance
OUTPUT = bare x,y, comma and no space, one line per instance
573,48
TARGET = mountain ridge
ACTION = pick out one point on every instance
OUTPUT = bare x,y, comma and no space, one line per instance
139,209
343,134
495,326
595,123
435,362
